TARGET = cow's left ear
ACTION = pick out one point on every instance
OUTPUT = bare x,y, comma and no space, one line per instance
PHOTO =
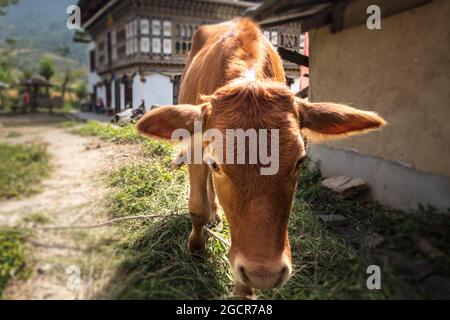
162,121
326,120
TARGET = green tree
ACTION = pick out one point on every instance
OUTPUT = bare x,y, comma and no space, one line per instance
81,91
68,76
47,68
26,74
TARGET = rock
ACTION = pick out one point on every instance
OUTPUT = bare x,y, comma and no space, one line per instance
44,268
333,219
372,241
427,248
92,146
347,187
436,287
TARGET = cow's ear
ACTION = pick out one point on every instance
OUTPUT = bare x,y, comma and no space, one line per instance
162,121
325,120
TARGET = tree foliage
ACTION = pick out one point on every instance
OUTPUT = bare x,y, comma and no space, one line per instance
47,68
81,90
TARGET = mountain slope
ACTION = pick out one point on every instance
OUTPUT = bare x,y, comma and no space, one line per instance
41,25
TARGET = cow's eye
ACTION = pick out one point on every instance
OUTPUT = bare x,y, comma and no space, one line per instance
300,162
213,164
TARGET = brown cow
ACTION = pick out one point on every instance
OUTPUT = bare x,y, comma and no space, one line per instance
234,79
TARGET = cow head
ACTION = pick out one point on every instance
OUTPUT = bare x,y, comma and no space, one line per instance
256,205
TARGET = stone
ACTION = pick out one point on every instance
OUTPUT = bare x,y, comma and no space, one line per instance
372,241
333,219
44,268
347,187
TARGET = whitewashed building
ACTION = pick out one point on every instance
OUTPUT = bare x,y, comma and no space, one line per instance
137,48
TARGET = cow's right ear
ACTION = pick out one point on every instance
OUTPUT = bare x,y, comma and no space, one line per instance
162,121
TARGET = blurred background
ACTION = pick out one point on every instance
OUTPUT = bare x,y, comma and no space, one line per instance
380,198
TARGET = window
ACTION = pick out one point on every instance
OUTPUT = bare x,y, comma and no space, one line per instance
167,46
156,45
131,35
167,28
156,27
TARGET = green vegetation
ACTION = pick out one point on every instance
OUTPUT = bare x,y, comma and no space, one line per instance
155,262
13,134
12,255
126,134
158,264
81,91
47,69
41,26
109,132
37,217
22,167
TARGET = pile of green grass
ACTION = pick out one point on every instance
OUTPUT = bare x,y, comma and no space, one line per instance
158,265
22,167
155,262
12,255
126,134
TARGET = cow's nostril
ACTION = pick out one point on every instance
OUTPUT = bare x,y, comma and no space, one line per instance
243,274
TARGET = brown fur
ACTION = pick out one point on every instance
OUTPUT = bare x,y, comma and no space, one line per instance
234,79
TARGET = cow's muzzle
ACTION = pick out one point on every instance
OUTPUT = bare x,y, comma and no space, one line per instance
262,275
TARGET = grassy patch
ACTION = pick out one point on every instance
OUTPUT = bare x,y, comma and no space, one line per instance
13,134
22,167
400,229
157,265
12,255
68,124
126,134
37,217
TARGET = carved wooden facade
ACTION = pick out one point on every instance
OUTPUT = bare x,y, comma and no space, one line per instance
139,37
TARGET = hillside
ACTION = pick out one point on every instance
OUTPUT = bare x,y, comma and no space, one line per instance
41,25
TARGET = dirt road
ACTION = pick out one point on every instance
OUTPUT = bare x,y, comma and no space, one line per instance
63,264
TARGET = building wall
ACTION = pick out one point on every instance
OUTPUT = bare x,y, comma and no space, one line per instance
295,87
402,72
101,93
157,89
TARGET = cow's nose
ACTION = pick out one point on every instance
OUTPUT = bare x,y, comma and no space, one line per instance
263,275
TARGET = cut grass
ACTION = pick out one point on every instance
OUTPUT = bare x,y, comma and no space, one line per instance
13,134
12,256
22,167
37,217
126,134
155,262
109,132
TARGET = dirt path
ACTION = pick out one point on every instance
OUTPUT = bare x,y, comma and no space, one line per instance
63,264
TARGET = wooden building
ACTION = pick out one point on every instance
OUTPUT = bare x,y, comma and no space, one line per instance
400,70
138,48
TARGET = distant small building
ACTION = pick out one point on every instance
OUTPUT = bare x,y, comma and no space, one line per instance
401,71
137,49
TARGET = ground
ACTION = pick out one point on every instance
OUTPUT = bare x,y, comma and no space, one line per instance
120,174
72,194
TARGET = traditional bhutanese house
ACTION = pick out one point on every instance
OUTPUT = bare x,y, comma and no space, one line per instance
137,49
401,71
